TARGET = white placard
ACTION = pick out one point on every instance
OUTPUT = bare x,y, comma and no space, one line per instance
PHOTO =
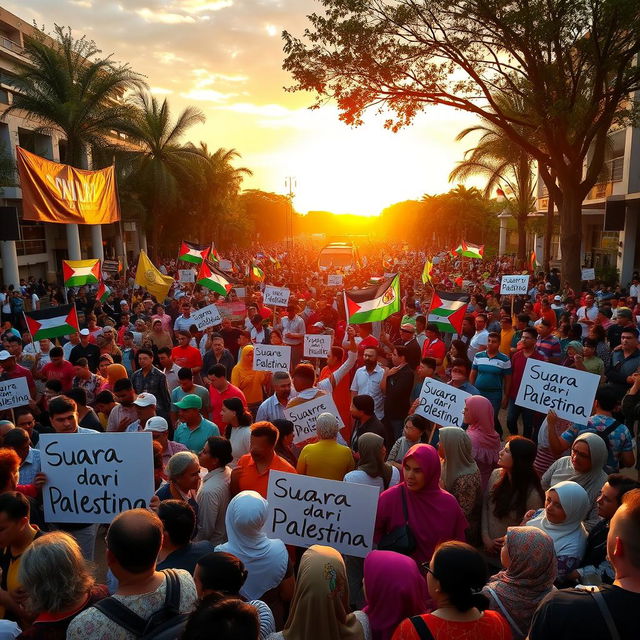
14,393
304,511
268,357
441,403
304,417
334,280
241,292
514,285
569,392
276,296
93,477
186,275
316,345
588,274
225,265
208,316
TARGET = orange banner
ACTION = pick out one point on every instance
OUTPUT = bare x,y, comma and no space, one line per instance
53,192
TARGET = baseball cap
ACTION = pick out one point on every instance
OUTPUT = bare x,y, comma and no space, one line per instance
320,325
157,424
190,401
5,355
84,332
145,400
557,298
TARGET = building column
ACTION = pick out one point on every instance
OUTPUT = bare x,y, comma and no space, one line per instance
142,235
50,234
627,258
96,242
502,246
10,271
121,249
73,242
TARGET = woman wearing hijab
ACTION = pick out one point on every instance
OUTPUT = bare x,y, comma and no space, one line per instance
460,476
514,489
248,380
434,515
565,507
372,469
270,575
395,590
530,569
485,442
585,466
320,606
574,348
115,372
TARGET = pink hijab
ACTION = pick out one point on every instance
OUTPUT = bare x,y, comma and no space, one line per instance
395,590
434,514
485,442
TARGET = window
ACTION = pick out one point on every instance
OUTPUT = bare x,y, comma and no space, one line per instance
32,238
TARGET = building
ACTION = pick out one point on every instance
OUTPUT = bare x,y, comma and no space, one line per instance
41,247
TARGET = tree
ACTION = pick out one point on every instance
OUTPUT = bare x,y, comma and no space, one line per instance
571,62
507,167
157,164
69,87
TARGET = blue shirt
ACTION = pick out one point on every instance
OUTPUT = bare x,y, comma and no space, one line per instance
491,370
195,440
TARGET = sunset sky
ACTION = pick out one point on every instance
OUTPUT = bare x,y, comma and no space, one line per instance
225,56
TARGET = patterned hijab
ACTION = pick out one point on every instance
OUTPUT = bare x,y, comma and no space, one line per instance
458,455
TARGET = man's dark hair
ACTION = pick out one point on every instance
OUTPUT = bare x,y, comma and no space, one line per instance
530,331
494,334
124,384
618,481
337,353
165,350
401,350
104,397
79,395
53,385
217,370
184,373
427,361
432,326
216,335
179,520
15,505
56,352
145,351
461,362
220,448
364,403
232,618
630,329
13,338
223,572
82,362
135,548
523,317
607,398
15,438
61,404
265,429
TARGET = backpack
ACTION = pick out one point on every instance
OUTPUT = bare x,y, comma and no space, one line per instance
605,433
165,624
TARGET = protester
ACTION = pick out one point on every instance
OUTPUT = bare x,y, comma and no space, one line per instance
248,380
193,429
415,432
183,472
485,442
238,431
159,430
273,407
284,447
365,421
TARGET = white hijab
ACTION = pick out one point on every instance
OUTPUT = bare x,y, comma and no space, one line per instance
569,537
265,560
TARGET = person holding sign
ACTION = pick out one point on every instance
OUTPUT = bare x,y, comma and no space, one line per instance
293,330
248,380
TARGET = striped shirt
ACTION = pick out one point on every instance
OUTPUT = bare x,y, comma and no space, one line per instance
491,370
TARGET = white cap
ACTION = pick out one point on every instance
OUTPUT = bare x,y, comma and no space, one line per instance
558,298
157,424
145,400
123,302
5,355
84,332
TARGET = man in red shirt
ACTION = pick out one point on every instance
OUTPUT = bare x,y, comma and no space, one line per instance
184,355
58,369
265,312
220,389
12,370
252,472
433,346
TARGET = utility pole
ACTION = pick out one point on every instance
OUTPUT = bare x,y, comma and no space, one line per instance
290,182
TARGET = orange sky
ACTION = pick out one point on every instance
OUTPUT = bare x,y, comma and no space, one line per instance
225,57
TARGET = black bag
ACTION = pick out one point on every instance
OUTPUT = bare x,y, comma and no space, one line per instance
165,624
401,539
421,628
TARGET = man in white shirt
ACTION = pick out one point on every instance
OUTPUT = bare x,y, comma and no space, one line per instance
587,314
169,368
481,337
273,407
634,289
184,320
293,330
366,381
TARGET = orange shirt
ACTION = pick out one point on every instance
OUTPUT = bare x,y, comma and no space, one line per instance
250,480
491,626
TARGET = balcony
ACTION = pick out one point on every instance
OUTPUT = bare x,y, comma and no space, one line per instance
11,45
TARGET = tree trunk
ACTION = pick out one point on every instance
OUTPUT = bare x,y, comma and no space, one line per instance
522,241
571,236
549,230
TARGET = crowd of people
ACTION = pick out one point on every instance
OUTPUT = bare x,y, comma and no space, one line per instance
518,524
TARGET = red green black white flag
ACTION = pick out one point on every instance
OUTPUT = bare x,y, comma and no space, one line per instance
213,279
194,253
52,322
448,310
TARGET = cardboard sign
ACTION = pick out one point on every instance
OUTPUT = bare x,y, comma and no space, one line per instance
276,296
14,393
317,346
225,265
441,403
241,292
93,477
588,274
268,357
186,275
304,511
304,417
235,311
208,316
334,280
514,285
569,392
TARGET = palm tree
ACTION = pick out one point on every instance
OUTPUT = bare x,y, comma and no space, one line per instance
506,168
70,88
158,165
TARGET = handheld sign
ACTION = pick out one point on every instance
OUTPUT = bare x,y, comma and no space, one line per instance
514,285
588,274
186,275
268,357
304,511
441,403
241,292
14,393
235,311
334,280
93,477
276,296
208,316
225,265
316,345
569,392
304,417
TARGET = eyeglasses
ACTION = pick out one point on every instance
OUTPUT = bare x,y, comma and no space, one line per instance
427,569
580,454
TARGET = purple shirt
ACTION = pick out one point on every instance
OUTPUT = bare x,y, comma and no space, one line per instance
172,447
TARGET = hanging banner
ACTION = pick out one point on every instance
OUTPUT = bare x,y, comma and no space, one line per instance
53,192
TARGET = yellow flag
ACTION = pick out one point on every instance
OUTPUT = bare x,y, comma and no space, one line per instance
151,279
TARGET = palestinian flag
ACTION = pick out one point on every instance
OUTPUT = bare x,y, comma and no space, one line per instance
447,311
194,253
103,292
426,272
256,274
213,279
374,303
215,256
533,262
77,273
468,250
52,322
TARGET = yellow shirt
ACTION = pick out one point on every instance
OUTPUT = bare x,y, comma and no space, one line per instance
326,459
505,341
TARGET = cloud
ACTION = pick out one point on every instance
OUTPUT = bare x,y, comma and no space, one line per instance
160,91
208,95
85,4
199,6
163,18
